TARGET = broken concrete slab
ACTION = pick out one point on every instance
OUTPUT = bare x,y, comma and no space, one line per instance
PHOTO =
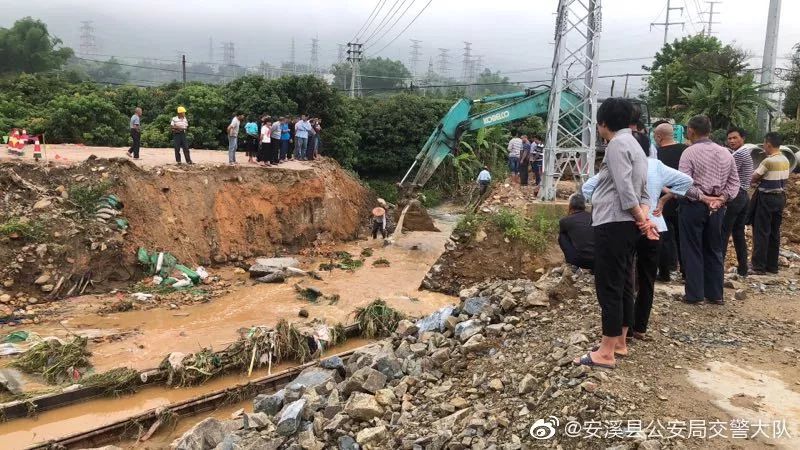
279,263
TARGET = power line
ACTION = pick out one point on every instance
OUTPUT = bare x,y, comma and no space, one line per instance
380,2
407,26
383,21
387,30
666,22
163,69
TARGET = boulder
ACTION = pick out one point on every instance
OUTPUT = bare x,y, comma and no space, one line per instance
256,420
527,384
274,277
332,363
476,343
278,263
369,379
406,328
269,404
316,378
467,329
385,397
372,435
379,357
205,435
363,407
347,443
475,306
290,417
435,321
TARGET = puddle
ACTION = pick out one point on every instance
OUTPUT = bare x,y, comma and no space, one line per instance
58,423
154,333
752,395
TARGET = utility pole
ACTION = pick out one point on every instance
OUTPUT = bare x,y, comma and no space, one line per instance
667,23
710,13
625,88
768,61
88,44
613,82
314,55
183,68
414,57
354,55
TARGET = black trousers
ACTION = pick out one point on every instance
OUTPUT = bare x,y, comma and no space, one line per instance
614,245
669,249
179,140
733,225
767,219
646,267
571,254
263,152
136,136
701,250
523,173
275,151
376,227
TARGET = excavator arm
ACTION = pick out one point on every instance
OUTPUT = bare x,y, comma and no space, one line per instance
444,139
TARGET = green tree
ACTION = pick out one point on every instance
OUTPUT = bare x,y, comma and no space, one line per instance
792,99
28,47
494,83
725,100
91,119
670,70
376,73
107,72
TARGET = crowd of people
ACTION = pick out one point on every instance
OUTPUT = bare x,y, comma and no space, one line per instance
525,156
667,210
268,141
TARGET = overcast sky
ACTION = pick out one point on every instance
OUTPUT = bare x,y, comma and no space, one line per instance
509,34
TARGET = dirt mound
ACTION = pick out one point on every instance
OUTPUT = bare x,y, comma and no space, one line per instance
53,245
416,217
791,214
486,254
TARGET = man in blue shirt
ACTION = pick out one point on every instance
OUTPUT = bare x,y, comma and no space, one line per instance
301,129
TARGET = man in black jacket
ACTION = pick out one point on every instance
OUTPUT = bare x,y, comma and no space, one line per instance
575,235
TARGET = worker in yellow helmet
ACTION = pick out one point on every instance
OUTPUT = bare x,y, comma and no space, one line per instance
179,124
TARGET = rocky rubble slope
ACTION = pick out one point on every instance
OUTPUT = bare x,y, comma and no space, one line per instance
481,375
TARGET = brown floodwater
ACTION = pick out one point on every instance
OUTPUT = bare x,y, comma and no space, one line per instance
156,332
62,422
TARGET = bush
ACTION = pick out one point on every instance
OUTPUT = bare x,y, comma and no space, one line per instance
29,231
90,119
87,196
468,224
535,231
431,198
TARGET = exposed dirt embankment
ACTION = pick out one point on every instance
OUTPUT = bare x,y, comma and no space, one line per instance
52,243
226,213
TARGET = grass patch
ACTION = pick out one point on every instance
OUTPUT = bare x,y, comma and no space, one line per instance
86,196
345,261
54,361
21,228
468,224
367,252
381,262
377,319
535,231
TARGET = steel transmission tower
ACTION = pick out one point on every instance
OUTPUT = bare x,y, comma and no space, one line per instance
414,57
314,55
571,125
291,58
466,62
88,44
768,61
443,63
354,55
340,53
228,54
710,13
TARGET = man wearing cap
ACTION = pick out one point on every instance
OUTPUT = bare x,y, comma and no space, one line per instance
379,221
179,124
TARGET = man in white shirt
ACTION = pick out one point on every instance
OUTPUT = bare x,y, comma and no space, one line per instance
514,150
233,137
178,125
484,179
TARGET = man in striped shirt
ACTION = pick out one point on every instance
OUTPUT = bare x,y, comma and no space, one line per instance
770,177
716,182
736,211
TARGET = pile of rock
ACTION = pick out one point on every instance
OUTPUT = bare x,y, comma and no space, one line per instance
375,398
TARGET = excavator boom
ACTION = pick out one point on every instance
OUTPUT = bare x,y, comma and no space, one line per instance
444,139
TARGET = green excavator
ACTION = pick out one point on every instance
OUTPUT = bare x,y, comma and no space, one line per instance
514,106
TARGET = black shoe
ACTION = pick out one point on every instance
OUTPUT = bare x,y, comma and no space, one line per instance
716,302
757,272
690,302
774,272
189,163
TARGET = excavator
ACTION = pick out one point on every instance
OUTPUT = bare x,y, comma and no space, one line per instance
445,138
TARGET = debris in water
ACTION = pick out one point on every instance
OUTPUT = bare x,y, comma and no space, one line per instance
56,361
378,319
381,262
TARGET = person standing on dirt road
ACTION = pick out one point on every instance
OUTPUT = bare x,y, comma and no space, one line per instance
233,137
286,138
265,142
251,128
514,150
275,142
770,179
136,133
484,180
736,212
524,161
621,204
179,124
702,210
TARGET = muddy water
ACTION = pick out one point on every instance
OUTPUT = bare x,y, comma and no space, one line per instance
58,423
753,395
156,332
